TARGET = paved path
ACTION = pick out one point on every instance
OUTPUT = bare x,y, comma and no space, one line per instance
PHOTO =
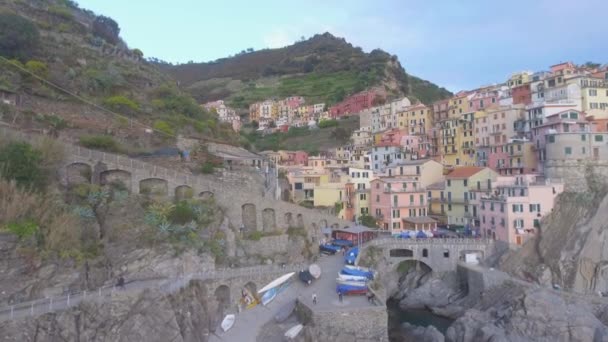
249,322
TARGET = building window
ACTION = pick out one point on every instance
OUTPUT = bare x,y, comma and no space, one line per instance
396,214
425,253
449,207
583,137
592,92
411,199
446,253
362,197
550,138
568,150
449,182
377,198
599,138
377,185
298,186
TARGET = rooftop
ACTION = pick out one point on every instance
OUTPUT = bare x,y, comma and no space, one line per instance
464,172
436,186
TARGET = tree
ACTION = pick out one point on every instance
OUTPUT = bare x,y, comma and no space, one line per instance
368,221
122,104
107,29
19,37
38,68
21,162
138,53
592,65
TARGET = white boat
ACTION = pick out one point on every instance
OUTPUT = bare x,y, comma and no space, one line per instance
348,277
294,331
350,282
277,282
315,270
358,268
228,322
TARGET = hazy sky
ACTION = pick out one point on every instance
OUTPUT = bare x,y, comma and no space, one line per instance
458,44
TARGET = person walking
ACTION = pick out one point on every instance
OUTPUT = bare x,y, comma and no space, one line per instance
314,298
121,283
340,296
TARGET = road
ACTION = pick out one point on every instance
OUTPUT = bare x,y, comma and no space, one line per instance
249,322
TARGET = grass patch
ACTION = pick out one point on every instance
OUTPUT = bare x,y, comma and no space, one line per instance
297,231
102,143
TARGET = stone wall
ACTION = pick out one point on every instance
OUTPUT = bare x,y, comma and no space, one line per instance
369,323
574,173
267,246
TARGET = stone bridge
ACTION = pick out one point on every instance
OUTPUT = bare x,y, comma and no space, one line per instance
441,255
244,206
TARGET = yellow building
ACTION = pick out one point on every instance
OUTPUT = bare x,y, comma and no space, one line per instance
416,119
594,94
461,187
437,201
330,190
519,78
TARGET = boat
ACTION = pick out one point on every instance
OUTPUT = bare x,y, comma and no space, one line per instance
228,322
285,311
315,271
351,256
280,280
346,289
351,282
329,248
350,277
305,277
357,271
294,331
274,288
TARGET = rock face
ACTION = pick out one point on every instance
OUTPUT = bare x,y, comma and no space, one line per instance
534,315
146,316
411,332
570,250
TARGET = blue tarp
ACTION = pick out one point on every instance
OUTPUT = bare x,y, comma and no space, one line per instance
351,255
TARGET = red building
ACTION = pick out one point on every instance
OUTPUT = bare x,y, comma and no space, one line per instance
356,103
522,94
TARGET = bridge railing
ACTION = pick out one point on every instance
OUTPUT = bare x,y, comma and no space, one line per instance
384,238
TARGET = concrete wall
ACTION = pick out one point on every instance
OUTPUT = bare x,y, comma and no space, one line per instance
267,246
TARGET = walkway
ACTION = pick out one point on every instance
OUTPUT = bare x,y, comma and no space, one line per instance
166,285
249,322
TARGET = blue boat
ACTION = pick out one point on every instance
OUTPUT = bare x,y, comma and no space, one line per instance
351,289
351,256
350,270
329,248
342,243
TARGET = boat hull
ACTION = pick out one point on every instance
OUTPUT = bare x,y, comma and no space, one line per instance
355,272
348,277
351,290
228,322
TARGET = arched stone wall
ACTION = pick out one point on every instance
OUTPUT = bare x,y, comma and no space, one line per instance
116,177
300,220
154,186
269,222
222,295
249,216
206,195
183,192
78,173
289,220
405,265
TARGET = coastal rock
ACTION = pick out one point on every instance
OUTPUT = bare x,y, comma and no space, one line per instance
411,332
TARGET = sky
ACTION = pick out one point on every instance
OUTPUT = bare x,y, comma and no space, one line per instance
457,44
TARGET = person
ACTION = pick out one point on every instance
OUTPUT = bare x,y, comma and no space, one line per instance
369,296
340,296
343,251
121,282
314,298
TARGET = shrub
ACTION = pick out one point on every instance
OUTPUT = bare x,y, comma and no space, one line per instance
328,123
61,12
24,229
368,221
296,231
37,68
21,162
164,127
182,213
255,235
100,142
138,53
19,37
207,167
121,104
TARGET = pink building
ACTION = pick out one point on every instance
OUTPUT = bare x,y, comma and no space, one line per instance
295,158
568,121
400,203
356,103
512,210
484,98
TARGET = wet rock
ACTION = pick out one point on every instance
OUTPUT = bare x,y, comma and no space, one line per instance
411,332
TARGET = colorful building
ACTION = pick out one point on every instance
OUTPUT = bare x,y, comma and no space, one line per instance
357,102
461,186
512,210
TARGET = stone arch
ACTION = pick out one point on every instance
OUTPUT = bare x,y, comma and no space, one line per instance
401,253
116,177
154,186
206,195
407,266
78,173
249,216
323,224
222,295
184,192
269,222
300,221
289,220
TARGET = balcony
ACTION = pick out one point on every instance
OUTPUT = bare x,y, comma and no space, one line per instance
379,216
388,190
438,200
513,166
496,132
